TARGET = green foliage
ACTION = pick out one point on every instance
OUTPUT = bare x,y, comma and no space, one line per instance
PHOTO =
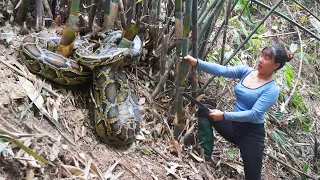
278,136
304,121
241,31
22,146
221,80
3,149
298,102
289,75
243,4
242,28
231,153
305,170
309,58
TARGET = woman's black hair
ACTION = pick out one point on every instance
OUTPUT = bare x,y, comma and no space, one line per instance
279,54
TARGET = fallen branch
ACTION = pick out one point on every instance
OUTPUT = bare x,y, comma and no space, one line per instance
287,165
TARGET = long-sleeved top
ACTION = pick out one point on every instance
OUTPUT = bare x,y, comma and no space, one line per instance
251,103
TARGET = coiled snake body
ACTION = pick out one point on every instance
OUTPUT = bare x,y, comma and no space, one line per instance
117,115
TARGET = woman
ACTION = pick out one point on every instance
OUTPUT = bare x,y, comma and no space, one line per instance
256,92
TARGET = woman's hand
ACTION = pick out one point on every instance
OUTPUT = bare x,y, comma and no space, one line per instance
216,114
190,60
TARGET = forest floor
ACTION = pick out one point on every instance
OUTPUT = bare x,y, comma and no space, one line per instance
147,158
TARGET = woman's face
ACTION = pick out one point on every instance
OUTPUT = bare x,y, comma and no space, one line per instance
266,64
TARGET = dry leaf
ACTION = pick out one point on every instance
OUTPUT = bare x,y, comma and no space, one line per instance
52,107
32,92
235,166
83,131
74,170
55,149
193,167
142,101
145,131
108,174
197,158
6,33
140,137
78,115
94,168
176,145
18,94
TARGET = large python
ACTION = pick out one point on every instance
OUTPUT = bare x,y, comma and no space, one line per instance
117,115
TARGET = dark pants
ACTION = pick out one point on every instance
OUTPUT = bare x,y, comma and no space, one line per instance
249,137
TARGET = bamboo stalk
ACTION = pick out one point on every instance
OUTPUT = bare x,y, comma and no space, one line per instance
194,79
39,14
53,8
158,9
183,65
47,8
202,7
306,9
207,10
92,15
22,12
69,32
218,31
243,43
228,12
209,30
288,19
179,35
208,22
111,14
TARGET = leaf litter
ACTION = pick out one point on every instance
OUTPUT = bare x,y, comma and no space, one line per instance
28,103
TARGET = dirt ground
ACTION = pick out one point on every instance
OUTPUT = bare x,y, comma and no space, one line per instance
73,108
147,158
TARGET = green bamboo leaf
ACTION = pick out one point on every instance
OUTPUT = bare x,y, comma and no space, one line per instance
279,137
25,148
303,19
298,102
3,148
289,75
231,153
304,121
278,115
305,170
243,29
138,1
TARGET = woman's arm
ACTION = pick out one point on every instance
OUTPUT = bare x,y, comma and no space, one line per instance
263,104
219,70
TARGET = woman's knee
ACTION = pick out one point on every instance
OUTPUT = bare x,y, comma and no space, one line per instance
203,112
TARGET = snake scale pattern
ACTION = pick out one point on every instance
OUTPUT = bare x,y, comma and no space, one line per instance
117,115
